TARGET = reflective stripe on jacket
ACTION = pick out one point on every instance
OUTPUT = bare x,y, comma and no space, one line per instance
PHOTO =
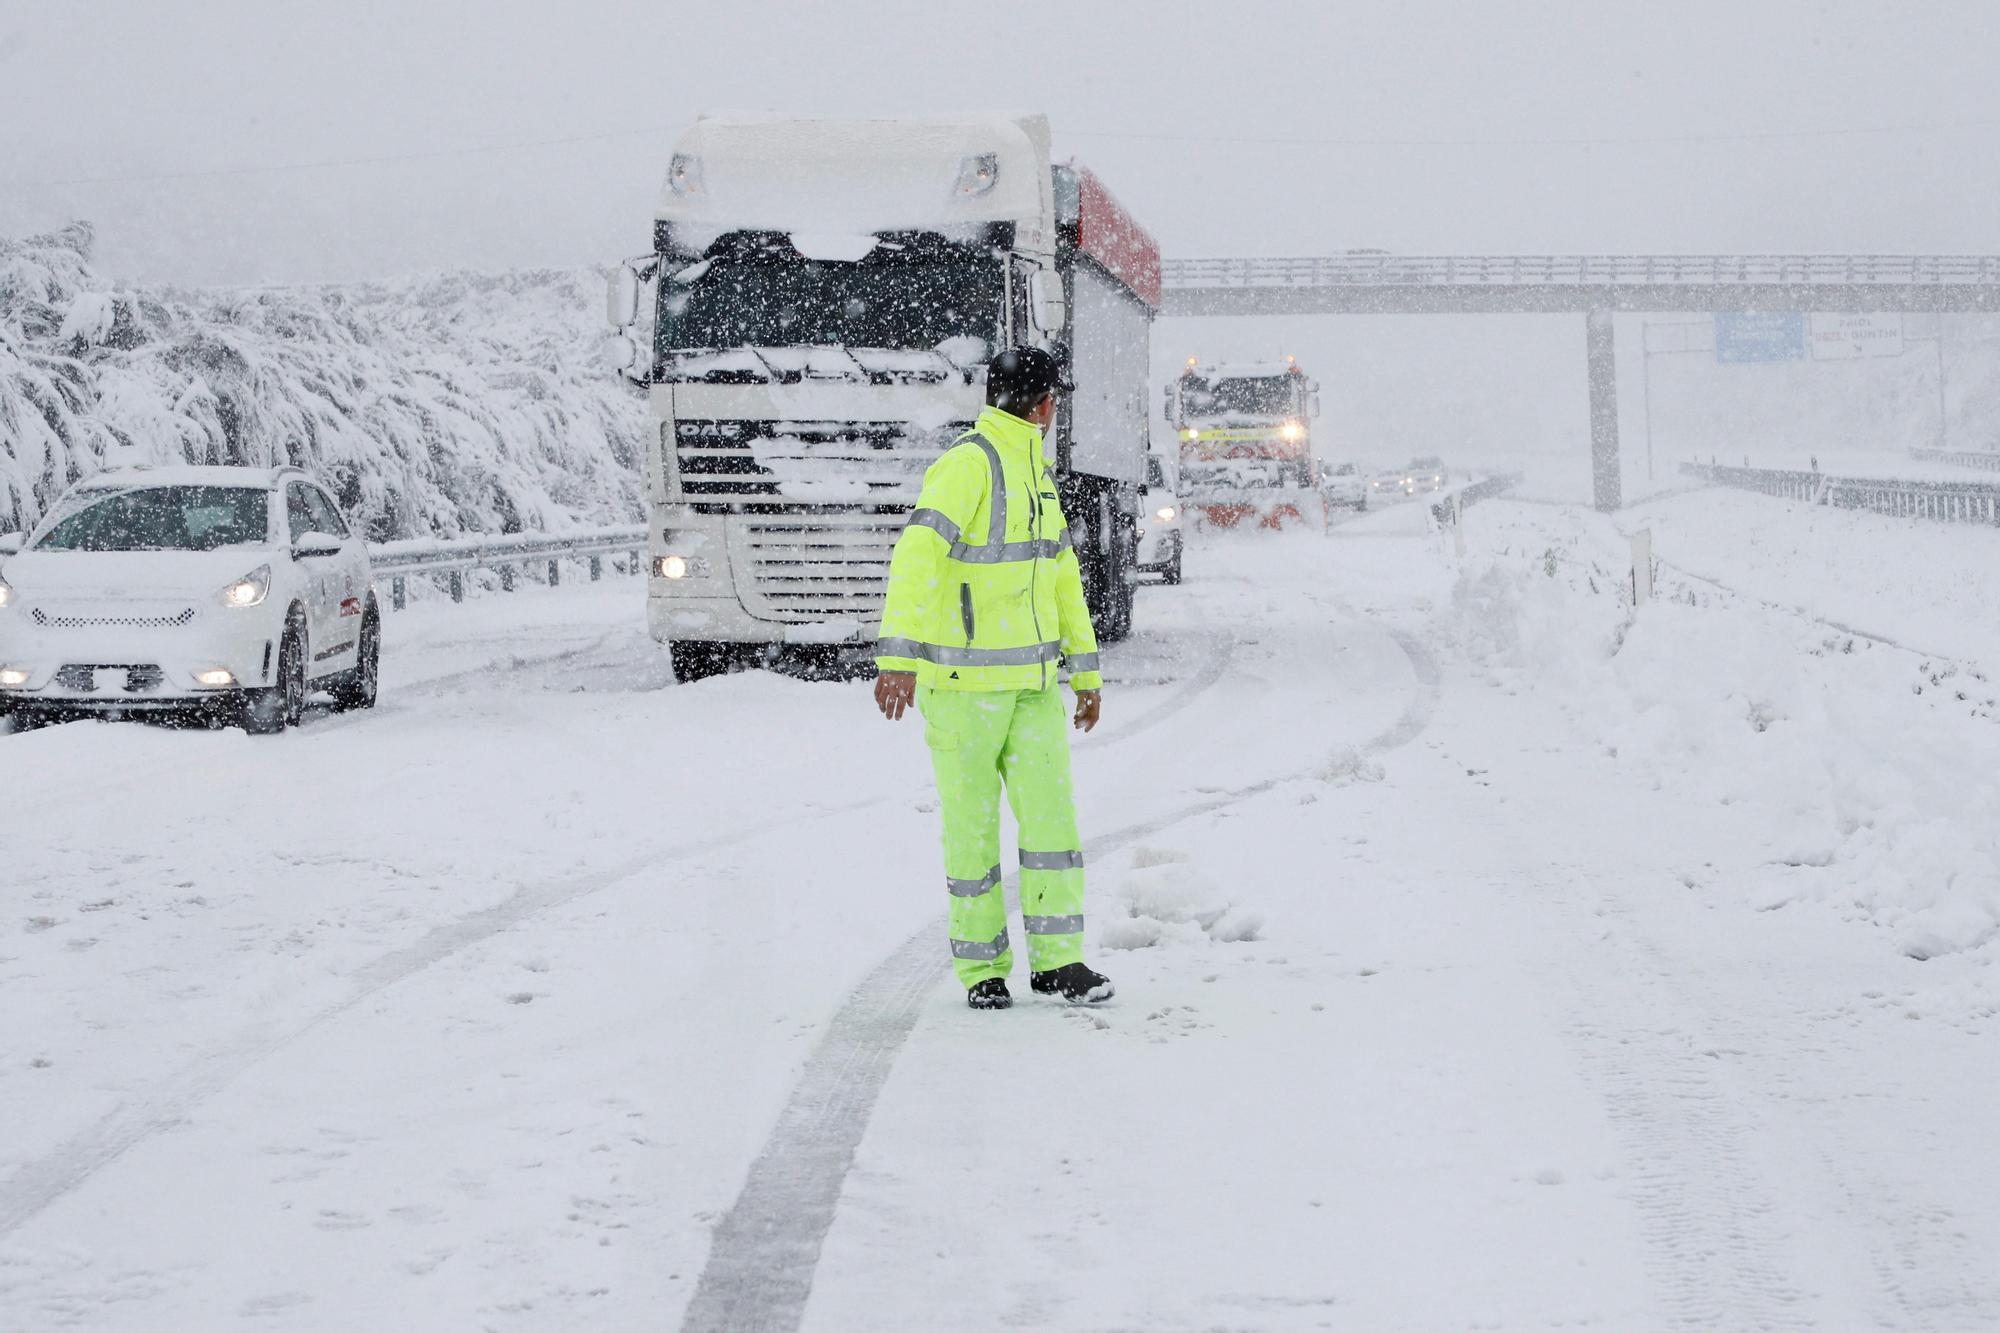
984,589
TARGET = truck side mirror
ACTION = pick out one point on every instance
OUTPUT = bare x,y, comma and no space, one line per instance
621,305
1046,306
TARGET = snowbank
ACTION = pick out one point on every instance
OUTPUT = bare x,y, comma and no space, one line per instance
1877,769
457,404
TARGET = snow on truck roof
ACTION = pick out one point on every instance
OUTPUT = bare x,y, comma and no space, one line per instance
1241,370
798,174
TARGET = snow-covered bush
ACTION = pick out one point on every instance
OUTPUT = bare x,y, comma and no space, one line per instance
455,404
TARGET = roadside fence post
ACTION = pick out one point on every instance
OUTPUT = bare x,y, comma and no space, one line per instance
1642,567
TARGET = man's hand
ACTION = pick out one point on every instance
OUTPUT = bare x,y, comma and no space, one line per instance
895,691
1089,703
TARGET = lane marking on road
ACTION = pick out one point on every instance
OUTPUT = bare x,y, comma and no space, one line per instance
765,1250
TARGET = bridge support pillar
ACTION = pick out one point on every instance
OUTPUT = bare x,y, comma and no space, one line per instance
1606,468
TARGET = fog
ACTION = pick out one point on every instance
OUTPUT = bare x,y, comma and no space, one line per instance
219,142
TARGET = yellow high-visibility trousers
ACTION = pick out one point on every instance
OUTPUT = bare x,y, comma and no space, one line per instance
980,741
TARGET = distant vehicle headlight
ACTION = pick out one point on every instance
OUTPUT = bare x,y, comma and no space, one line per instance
1166,514
250,590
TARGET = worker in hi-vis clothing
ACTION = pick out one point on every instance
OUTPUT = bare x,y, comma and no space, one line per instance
985,605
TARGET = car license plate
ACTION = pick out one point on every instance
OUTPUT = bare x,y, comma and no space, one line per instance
109,680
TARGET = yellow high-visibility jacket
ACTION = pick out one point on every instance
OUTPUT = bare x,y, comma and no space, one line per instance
984,589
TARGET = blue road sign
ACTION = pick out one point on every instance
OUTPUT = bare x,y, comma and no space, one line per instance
1774,335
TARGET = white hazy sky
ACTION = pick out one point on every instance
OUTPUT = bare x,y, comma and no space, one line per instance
223,141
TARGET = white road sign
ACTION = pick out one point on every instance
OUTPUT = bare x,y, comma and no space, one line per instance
1837,337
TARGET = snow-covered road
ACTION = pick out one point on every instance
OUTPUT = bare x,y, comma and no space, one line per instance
1488,958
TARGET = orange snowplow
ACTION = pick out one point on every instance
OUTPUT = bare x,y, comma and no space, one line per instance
1246,447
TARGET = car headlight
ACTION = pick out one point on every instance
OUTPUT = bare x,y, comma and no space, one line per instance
13,677
249,590
1166,514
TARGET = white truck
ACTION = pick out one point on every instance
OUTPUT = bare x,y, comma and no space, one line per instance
813,326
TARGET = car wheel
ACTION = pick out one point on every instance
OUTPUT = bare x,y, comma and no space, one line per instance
694,661
359,687
267,712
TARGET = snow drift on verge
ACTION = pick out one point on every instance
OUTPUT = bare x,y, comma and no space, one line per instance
1880,768
455,404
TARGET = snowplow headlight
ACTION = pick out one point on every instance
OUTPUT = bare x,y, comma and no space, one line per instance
978,175
1190,435
684,175
1166,514
679,567
1292,430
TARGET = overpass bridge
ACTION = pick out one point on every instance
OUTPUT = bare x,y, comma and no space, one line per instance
1594,286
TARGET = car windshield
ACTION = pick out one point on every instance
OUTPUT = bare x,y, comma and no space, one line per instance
1258,396
160,518
897,297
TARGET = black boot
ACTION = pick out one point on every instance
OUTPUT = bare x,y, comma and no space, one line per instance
1075,983
990,994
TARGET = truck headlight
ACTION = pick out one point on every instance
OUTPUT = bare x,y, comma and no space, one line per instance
1166,514
679,567
13,678
1292,430
977,175
684,174
216,677
249,590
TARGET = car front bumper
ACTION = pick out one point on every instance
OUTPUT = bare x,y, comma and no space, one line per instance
131,658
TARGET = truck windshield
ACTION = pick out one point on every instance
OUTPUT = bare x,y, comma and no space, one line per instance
1261,396
891,299
160,518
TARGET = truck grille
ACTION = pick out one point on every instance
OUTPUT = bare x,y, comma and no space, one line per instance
806,467
825,567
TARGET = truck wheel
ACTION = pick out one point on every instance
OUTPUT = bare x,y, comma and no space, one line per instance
693,661
1120,565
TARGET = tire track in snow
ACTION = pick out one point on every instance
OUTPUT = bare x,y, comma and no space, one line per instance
35,1186
765,1250
38,1184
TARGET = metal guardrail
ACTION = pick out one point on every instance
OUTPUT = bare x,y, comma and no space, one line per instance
397,561
1484,489
1939,501
1364,270
1958,458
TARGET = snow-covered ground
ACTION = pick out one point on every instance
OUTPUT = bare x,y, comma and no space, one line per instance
1489,957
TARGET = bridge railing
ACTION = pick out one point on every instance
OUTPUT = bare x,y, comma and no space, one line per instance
397,561
1367,270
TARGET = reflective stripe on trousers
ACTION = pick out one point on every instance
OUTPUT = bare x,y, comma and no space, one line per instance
985,744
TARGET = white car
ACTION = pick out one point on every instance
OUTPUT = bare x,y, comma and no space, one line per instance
1344,485
1160,525
228,591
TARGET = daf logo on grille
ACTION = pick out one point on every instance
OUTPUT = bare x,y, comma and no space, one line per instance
710,430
